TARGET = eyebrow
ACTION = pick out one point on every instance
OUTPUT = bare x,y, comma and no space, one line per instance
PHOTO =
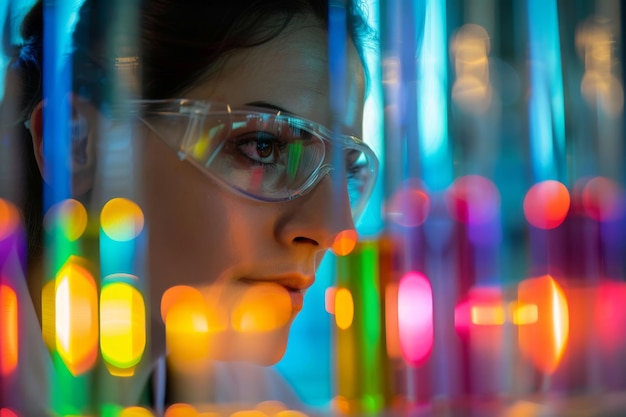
267,105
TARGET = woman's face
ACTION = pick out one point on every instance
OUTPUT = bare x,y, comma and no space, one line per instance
251,260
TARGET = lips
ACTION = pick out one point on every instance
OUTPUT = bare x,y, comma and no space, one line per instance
295,285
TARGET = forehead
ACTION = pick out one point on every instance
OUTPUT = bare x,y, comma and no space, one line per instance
290,71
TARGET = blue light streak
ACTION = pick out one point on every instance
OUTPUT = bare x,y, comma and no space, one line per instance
432,105
546,106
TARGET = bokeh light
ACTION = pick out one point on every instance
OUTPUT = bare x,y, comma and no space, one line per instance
6,412
610,312
344,308
181,410
248,413
290,413
9,219
473,199
76,317
600,85
546,204
122,327
329,299
523,314
415,317
136,412
264,307
483,306
470,49
8,330
488,315
271,407
344,242
409,206
121,219
603,199
545,340
69,217
392,335
188,326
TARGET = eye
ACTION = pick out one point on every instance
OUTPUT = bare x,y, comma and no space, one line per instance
261,148
264,149
355,161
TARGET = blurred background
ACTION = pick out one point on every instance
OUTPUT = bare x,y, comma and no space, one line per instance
489,273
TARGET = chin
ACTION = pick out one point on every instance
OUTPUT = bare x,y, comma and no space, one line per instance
193,352
248,323
266,348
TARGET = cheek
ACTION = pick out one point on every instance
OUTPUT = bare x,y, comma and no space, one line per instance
186,221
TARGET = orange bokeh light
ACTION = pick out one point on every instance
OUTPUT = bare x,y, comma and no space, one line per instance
8,330
391,321
543,341
263,307
344,242
9,219
181,410
187,326
546,204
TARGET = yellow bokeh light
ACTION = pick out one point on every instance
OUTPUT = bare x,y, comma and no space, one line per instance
69,217
136,412
48,307
76,317
344,308
122,326
263,307
523,314
121,219
483,315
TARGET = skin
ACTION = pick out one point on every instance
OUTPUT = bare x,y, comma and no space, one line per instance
229,247
244,238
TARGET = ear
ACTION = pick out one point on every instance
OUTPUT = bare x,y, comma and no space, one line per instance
81,158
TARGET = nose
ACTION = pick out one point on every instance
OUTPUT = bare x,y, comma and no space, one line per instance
314,220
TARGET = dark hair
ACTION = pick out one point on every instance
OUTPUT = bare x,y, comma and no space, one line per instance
175,43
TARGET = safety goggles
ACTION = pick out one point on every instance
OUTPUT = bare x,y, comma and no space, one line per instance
261,153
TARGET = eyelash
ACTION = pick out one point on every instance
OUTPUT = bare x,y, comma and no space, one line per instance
245,139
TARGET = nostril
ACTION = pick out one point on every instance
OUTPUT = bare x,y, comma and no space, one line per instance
301,239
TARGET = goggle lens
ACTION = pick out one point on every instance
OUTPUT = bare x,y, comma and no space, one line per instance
269,157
